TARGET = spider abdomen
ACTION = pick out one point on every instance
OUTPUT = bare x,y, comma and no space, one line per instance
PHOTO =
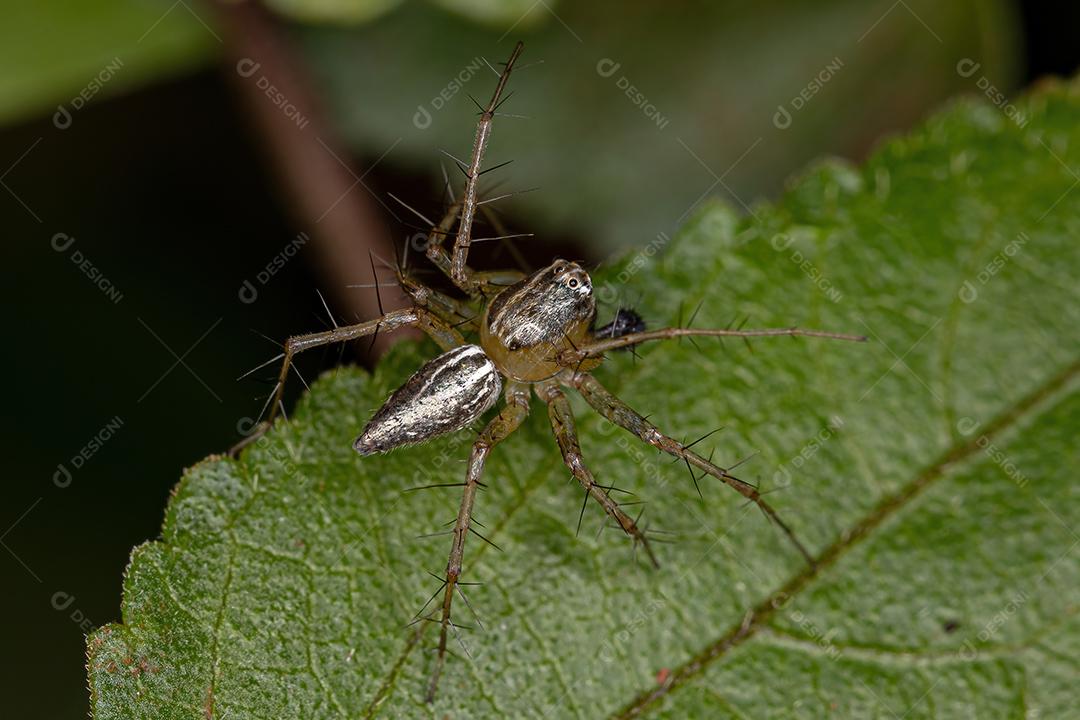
444,395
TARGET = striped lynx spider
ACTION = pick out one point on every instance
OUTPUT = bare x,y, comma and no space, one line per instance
534,334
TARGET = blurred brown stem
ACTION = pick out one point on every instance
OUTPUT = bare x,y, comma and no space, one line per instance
327,197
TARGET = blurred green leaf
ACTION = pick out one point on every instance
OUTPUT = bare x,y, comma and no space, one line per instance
360,11
932,471
520,13
346,11
68,52
635,113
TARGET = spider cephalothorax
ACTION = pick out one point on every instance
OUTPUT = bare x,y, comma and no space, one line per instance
534,335
529,323
545,307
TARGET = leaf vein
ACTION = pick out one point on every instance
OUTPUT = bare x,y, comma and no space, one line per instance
885,510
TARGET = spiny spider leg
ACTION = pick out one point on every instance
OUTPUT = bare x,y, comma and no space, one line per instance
599,347
434,249
618,412
562,427
482,283
448,309
492,282
500,229
507,421
459,272
446,337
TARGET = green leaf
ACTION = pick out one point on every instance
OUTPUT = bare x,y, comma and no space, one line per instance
515,12
347,11
932,471
73,52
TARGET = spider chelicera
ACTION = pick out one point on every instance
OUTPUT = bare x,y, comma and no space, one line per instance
535,334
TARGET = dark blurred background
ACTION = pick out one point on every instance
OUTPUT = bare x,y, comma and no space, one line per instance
154,156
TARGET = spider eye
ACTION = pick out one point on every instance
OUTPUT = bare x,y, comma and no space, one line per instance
572,283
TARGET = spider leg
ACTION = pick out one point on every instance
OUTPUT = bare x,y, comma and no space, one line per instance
500,229
439,331
599,347
562,426
507,421
449,309
459,272
618,412
434,249
476,283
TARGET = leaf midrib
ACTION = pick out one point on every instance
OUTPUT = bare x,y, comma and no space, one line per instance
756,618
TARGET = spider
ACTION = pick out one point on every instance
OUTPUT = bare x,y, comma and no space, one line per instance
536,334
